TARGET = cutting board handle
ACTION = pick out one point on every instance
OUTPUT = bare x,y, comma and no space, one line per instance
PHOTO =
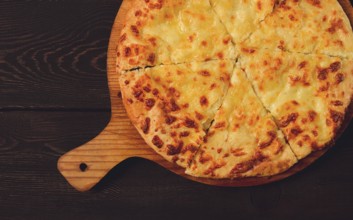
86,165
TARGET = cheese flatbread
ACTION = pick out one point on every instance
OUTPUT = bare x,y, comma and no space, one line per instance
306,26
173,105
236,88
172,32
243,140
307,94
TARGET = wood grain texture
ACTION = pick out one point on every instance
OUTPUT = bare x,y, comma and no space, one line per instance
50,51
38,125
85,166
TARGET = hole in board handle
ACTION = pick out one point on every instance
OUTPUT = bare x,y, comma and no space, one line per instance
83,167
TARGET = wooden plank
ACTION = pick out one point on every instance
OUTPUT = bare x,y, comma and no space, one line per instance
53,54
31,188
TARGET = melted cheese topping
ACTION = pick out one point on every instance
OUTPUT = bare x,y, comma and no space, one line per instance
243,140
172,32
173,105
306,26
307,94
242,17
205,116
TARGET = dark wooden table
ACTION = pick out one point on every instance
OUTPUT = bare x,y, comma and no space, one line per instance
54,97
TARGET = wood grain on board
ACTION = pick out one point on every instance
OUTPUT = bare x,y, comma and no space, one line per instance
85,166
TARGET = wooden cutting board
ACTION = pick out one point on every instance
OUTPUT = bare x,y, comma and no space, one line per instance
86,165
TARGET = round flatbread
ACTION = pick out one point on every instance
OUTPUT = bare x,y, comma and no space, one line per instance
233,88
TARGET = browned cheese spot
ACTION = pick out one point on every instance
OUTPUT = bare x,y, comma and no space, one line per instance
151,58
312,115
134,30
336,117
127,51
220,55
302,65
150,103
248,165
334,67
220,125
155,92
153,41
173,150
137,94
204,157
281,45
203,101
315,133
323,73
315,3
146,125
336,24
279,149
292,17
190,123
339,78
147,89
186,105
272,136
170,119
296,131
259,5
204,73
184,134
337,103
213,86
226,40
248,50
176,158
138,13
238,152
157,141
173,106
324,19
295,102
190,147
122,38
284,122
199,116
215,166
157,5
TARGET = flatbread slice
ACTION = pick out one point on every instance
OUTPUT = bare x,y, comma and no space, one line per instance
173,105
306,26
307,94
243,140
172,32
242,17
